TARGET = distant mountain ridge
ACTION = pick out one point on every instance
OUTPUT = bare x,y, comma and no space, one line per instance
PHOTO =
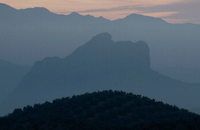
100,64
10,76
28,35
186,74
141,18
42,33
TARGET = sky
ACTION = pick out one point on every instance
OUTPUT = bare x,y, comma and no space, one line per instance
172,11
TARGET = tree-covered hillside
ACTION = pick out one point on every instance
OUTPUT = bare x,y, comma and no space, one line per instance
101,110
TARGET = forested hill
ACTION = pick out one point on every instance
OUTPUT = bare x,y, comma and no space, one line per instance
101,110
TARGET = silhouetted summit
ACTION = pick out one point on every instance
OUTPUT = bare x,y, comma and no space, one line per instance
142,17
38,30
6,12
36,9
5,8
97,65
100,64
102,50
74,14
103,37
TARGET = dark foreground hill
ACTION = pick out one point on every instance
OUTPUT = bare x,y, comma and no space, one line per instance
101,110
100,64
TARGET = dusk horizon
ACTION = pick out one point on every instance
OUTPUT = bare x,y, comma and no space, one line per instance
172,11
99,65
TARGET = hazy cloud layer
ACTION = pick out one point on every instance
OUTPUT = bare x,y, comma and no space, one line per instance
184,11
187,11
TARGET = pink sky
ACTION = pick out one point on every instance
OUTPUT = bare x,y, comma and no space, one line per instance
173,11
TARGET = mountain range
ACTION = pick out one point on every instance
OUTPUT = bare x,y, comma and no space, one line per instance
186,74
39,33
100,64
10,76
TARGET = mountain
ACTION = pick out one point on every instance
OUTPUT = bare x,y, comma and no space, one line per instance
10,75
191,75
39,33
100,64
5,9
107,110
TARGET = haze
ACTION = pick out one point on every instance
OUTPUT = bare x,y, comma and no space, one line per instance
136,48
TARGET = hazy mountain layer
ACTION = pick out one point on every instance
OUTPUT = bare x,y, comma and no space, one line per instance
10,76
186,74
98,65
32,34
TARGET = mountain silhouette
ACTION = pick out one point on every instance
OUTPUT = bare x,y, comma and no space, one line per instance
10,76
6,9
28,35
186,74
100,64
106,110
39,33
141,19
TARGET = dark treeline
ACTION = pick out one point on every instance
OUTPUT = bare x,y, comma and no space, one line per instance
101,110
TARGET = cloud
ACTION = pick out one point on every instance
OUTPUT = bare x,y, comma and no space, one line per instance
120,8
92,6
179,11
186,11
